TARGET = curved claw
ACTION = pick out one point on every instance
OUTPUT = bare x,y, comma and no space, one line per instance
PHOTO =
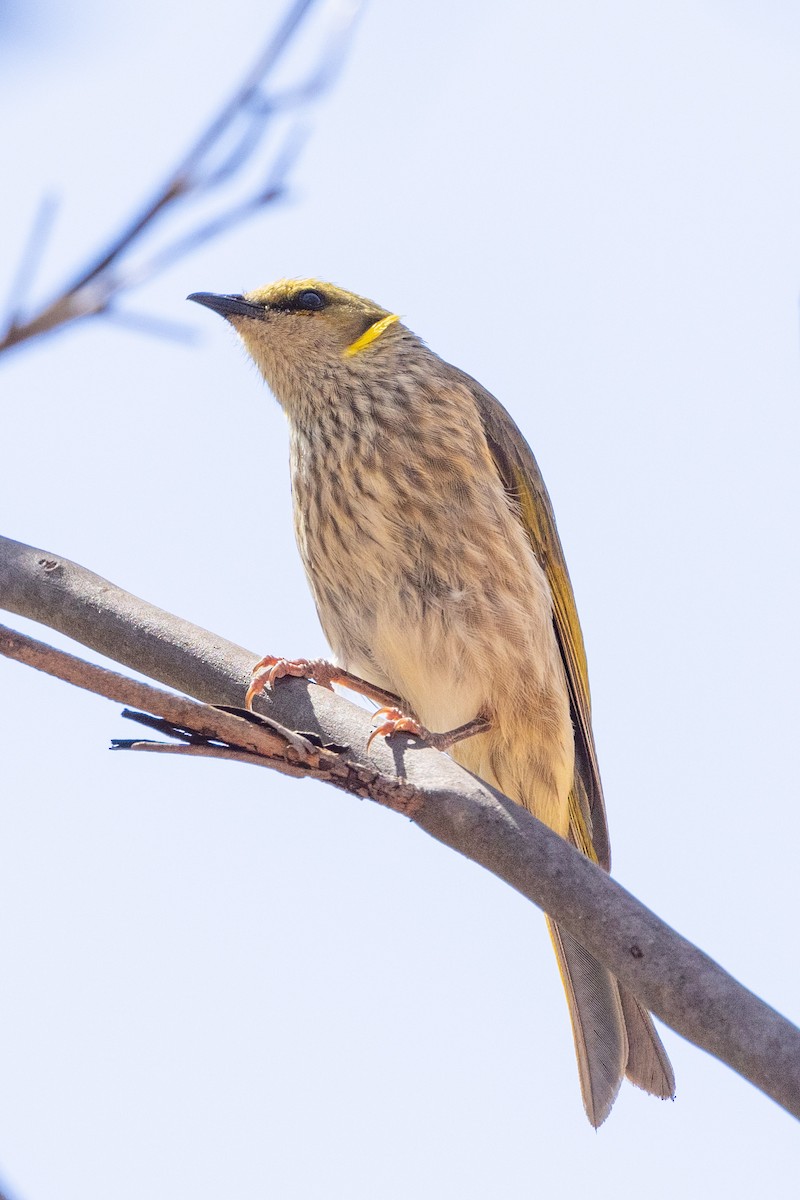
396,722
271,668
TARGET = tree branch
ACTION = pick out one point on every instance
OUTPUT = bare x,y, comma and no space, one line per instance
674,979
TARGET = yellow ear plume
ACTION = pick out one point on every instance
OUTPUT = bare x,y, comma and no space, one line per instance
370,335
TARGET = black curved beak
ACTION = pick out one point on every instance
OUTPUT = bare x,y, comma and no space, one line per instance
227,306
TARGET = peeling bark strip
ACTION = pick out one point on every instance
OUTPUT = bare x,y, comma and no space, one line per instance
671,977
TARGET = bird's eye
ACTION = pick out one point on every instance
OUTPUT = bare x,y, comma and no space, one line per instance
310,299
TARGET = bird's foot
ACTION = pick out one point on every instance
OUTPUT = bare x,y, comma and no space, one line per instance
318,670
271,668
396,721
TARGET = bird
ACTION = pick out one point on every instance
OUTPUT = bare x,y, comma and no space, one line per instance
431,549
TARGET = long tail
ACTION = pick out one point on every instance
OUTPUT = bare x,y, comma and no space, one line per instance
648,1066
614,1036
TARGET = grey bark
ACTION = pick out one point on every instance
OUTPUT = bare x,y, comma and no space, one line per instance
674,979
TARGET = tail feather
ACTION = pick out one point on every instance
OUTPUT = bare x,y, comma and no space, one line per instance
614,1036
648,1066
598,1023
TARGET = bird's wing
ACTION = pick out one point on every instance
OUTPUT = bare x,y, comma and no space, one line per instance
523,481
613,1033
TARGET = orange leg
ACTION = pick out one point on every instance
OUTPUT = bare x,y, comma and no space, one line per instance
396,721
271,668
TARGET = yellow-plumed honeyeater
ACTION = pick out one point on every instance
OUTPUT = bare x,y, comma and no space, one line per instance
431,549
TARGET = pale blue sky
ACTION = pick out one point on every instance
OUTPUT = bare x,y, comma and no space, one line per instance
218,981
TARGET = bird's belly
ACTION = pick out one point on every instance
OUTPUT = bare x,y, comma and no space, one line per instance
457,627
450,662
393,637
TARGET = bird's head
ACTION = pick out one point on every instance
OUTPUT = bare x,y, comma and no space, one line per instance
298,330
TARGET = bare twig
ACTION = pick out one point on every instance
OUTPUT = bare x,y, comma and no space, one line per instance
32,254
674,979
212,731
203,720
229,143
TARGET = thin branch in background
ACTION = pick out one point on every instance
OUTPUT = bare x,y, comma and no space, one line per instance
151,325
219,157
32,254
273,191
